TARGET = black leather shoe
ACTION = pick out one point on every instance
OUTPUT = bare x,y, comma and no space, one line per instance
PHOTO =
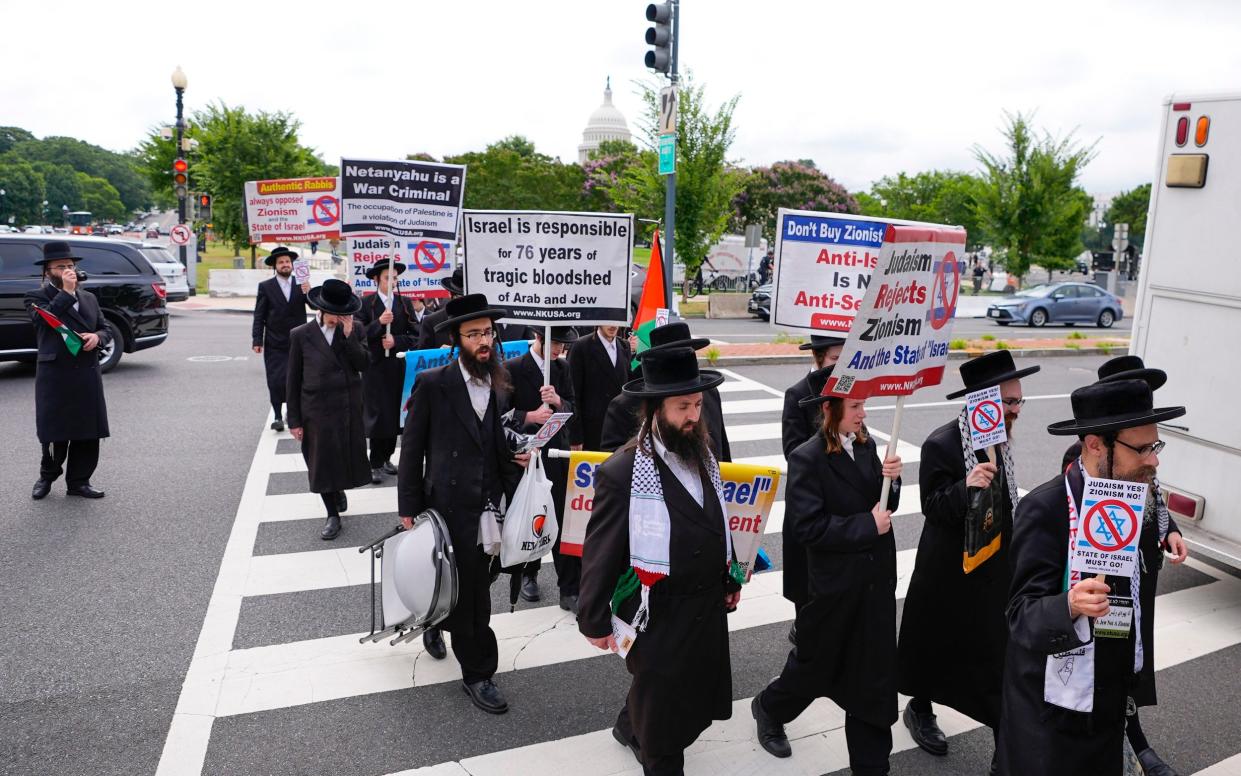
85,491
433,642
770,733
568,603
277,425
925,731
793,633
1153,765
630,742
529,589
342,502
41,489
486,696
331,528
377,476
388,468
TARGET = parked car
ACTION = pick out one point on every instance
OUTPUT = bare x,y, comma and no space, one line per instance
1058,303
116,229
169,268
760,302
131,294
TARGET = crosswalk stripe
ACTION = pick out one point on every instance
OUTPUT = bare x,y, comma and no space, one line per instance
743,406
1229,767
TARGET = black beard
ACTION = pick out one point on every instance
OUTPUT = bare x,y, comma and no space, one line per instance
690,446
56,281
481,370
284,273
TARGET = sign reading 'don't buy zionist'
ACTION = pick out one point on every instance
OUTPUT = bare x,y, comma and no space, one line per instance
899,339
749,492
293,209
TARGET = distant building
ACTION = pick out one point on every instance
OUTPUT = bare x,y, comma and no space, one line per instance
606,123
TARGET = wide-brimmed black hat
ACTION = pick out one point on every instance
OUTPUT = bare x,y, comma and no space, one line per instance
818,342
671,336
563,334
280,251
989,369
1108,407
672,372
455,282
469,307
56,250
383,264
334,297
1131,368
818,380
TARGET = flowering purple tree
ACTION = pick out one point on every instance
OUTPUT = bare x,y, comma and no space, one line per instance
790,184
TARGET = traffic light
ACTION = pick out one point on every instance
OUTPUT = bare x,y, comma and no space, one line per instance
180,177
659,36
204,207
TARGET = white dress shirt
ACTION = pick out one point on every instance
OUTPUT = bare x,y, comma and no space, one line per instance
846,441
687,475
479,390
609,345
387,300
328,333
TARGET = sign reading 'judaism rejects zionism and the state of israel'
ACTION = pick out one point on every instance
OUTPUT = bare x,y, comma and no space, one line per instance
550,267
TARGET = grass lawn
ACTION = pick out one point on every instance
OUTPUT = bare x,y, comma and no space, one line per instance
217,256
641,256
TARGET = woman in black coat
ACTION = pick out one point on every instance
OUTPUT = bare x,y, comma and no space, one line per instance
846,635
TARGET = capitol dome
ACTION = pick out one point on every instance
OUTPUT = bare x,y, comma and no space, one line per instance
606,123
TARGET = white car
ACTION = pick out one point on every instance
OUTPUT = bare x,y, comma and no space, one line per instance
175,281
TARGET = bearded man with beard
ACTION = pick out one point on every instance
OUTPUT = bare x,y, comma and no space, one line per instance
657,566
953,630
455,459
279,307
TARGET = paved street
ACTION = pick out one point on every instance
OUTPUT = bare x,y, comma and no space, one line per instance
194,615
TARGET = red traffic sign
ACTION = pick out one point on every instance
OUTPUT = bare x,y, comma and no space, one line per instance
986,417
1100,518
181,234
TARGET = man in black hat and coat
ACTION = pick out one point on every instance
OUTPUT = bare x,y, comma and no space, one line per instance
279,307
388,324
70,413
455,459
658,546
599,365
533,403
1067,685
798,423
326,359
953,629
622,420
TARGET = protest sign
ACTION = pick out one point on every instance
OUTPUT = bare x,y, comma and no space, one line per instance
301,271
823,267
293,209
549,429
749,492
401,198
985,412
427,262
1106,539
418,361
550,267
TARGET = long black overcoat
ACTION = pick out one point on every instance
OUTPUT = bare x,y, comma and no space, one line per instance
622,421
847,631
325,401
596,381
68,389
797,424
274,319
384,379
682,676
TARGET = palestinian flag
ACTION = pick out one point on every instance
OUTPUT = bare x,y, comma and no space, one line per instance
652,298
72,341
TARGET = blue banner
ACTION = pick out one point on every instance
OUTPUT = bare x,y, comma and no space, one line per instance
418,361
831,230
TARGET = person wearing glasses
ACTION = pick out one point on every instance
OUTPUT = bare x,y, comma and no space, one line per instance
455,459
953,631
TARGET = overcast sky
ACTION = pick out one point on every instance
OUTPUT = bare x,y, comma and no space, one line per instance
865,89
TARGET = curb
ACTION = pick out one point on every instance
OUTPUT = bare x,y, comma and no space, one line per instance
953,355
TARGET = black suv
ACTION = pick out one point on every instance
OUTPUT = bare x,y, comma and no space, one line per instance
131,294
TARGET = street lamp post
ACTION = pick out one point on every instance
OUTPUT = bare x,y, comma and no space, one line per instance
2,193
179,82
45,211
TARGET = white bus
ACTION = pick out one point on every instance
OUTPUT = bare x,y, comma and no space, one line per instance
1188,316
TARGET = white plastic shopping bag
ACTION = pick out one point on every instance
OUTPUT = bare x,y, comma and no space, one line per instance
530,524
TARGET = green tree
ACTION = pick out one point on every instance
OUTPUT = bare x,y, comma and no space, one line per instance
606,166
100,198
118,169
154,157
1130,208
1029,203
511,175
937,196
23,192
707,182
61,188
798,185
11,136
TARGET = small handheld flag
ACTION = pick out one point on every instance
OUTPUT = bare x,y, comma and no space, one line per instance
73,341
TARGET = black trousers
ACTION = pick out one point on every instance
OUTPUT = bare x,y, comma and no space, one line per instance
665,765
382,449
568,567
869,745
473,642
82,455
277,400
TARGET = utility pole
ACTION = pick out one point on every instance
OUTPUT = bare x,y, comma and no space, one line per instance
664,37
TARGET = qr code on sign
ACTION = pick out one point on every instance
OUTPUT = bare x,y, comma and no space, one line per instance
844,384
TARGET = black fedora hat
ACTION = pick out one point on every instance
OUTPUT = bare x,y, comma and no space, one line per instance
1131,368
818,380
989,369
563,334
454,283
673,335
383,264
1108,407
469,307
334,297
55,250
672,372
819,342
280,251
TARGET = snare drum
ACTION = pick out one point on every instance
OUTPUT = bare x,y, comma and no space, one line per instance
418,578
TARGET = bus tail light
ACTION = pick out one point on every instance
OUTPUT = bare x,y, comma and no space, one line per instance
1182,131
1201,130
1182,504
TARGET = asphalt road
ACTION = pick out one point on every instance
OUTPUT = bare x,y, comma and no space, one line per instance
105,602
